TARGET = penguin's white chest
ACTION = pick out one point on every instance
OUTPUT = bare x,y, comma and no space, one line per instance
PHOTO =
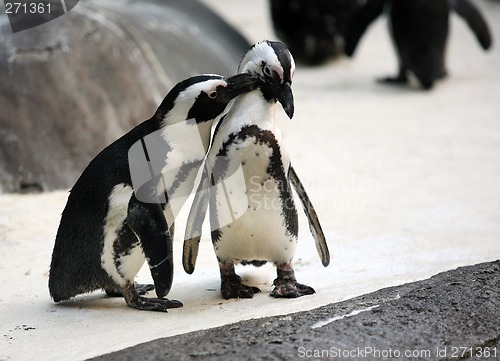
121,266
250,208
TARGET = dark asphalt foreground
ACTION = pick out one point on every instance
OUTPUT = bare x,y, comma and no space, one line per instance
453,315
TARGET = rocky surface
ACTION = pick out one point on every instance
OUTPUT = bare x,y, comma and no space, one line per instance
70,87
453,315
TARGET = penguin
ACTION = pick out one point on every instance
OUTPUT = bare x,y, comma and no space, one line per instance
419,30
313,30
247,181
117,215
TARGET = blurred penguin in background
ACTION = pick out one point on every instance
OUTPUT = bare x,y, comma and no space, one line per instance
419,30
313,30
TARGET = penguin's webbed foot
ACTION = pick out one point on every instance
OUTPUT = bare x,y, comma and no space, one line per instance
236,289
231,286
286,286
397,80
290,289
133,300
153,304
142,289
401,78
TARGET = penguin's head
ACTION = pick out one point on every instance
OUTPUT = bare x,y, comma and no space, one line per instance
274,64
203,98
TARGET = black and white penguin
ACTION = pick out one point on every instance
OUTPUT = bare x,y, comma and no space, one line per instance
247,181
419,30
112,222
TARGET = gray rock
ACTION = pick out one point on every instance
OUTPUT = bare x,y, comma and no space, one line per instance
70,87
455,313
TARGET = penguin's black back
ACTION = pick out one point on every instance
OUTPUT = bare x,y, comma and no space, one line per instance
420,29
76,259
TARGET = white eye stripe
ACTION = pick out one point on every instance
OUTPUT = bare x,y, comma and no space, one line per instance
263,53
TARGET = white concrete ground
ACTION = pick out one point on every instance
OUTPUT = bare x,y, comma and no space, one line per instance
406,184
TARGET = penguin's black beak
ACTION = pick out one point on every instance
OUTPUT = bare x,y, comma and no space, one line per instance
285,97
281,91
238,84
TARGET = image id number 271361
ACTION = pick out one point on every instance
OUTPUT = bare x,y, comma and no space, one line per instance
27,8
467,352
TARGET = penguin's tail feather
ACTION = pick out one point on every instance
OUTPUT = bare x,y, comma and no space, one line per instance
477,23
56,293
61,286
68,279
312,217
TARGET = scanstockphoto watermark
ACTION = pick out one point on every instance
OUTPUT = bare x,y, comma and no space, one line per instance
367,352
156,171
371,353
28,14
162,173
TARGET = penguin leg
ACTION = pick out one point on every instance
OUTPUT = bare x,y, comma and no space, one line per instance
148,223
286,286
231,286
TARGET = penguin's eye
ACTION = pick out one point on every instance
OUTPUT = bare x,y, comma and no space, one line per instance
212,95
267,71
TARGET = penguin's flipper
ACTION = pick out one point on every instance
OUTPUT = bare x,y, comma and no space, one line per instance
312,217
148,223
471,14
194,224
360,22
